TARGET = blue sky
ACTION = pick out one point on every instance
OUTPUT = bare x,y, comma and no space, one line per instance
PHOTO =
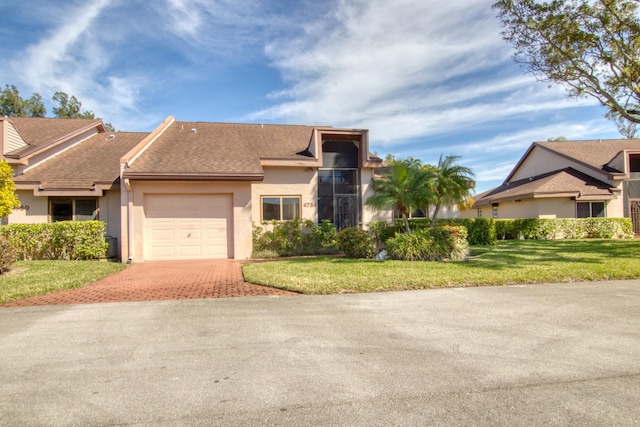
425,77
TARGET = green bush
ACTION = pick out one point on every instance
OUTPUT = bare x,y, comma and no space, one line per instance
295,237
356,243
430,244
481,231
564,228
70,240
417,246
7,255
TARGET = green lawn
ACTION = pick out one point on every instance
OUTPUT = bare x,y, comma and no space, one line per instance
31,278
509,262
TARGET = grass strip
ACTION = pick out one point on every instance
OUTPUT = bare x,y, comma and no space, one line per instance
31,278
508,262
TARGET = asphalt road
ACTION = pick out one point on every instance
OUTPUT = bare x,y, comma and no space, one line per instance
563,354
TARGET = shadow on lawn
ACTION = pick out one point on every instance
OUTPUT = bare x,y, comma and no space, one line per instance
520,253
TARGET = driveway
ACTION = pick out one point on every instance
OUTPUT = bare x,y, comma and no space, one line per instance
561,354
161,280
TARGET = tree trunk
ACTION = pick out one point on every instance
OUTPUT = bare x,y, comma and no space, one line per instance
406,222
435,214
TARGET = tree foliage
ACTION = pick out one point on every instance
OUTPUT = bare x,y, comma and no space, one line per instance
451,185
8,199
408,185
403,184
13,105
592,47
68,107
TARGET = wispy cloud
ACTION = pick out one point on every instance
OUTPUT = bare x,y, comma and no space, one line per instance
407,70
74,57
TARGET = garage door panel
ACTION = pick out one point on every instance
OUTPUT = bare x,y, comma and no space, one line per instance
187,226
160,235
161,252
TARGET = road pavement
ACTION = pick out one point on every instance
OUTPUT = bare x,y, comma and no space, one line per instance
561,354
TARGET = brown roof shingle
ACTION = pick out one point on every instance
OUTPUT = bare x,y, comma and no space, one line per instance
38,132
595,153
221,148
95,160
564,181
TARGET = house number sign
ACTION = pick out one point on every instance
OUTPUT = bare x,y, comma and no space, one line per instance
310,205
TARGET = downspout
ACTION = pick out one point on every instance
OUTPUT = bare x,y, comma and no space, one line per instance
127,184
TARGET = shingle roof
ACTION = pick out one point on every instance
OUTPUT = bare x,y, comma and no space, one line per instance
38,132
595,153
95,160
564,181
221,148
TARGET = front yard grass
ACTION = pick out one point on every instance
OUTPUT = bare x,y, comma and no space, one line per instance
509,262
30,278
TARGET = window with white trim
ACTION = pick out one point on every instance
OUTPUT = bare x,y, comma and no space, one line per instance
280,208
71,209
590,210
479,213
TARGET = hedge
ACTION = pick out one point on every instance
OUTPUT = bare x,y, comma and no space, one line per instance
564,228
295,237
68,240
480,231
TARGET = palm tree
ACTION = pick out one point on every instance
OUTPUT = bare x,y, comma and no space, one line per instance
451,184
403,184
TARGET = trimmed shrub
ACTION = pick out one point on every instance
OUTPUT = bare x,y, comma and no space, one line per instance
417,246
481,231
356,243
564,228
70,240
295,237
7,255
431,244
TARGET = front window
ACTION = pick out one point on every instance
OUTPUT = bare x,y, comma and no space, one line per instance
590,210
63,209
494,211
280,208
479,213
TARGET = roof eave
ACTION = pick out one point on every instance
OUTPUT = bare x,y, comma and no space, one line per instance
150,176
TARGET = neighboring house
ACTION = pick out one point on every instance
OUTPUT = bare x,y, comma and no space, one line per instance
187,190
569,179
65,169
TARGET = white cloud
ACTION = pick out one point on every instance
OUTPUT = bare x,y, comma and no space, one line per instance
73,58
409,70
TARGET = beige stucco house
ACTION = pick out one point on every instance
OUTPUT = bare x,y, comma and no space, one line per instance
569,179
188,190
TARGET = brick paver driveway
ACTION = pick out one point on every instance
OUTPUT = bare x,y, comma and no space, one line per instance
161,280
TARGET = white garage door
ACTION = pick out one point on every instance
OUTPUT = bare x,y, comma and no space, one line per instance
180,226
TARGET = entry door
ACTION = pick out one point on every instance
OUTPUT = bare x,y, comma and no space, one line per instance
635,215
346,211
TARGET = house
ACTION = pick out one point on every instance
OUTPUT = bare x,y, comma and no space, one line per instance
65,169
188,190
569,179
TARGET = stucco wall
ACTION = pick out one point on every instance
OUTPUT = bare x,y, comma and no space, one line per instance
542,208
369,214
34,209
241,195
110,212
541,161
280,181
